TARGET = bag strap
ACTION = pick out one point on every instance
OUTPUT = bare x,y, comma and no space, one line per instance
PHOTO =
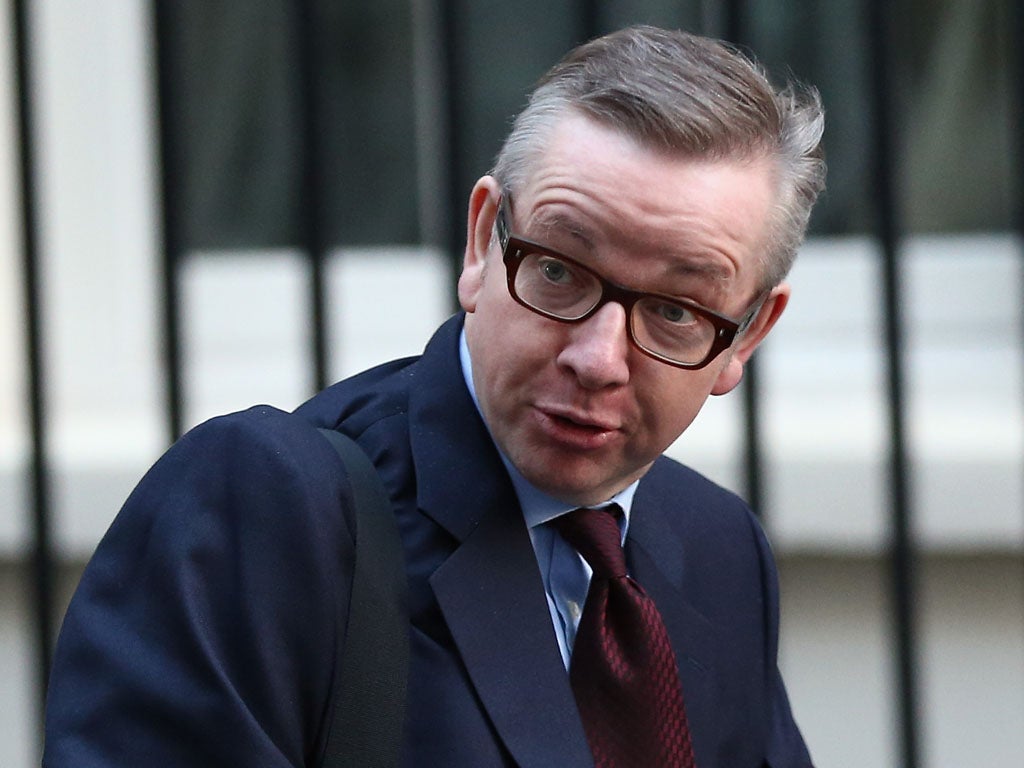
372,664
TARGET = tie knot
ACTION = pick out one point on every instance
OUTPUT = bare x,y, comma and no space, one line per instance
595,534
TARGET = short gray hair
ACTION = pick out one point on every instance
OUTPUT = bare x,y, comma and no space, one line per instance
689,96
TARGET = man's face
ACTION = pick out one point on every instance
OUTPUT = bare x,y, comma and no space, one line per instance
577,409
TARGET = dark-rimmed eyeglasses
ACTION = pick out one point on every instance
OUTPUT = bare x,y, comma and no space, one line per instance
676,332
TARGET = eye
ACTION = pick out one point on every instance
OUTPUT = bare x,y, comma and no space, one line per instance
554,270
673,313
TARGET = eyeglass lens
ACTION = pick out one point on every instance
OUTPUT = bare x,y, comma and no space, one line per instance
567,291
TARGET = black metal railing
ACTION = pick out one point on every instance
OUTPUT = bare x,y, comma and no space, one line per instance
884,194
42,556
171,239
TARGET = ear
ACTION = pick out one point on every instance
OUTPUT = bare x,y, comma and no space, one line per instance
483,207
767,316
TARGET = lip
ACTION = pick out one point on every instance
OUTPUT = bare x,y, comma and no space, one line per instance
574,429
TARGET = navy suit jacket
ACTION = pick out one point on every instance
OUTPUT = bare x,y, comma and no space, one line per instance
204,630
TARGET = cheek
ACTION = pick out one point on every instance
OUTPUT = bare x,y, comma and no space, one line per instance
670,403
508,350
517,353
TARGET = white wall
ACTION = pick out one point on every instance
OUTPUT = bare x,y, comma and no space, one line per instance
823,382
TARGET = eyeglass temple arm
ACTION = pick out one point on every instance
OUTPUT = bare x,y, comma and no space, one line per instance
753,312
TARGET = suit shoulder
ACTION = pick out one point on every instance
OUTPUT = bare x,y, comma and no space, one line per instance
669,479
258,469
362,400
244,441
700,505
222,579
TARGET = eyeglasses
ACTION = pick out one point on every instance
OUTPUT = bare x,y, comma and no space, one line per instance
676,332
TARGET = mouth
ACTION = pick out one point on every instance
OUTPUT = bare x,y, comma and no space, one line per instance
576,430
592,426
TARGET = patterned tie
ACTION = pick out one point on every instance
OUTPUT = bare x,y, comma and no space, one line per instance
623,671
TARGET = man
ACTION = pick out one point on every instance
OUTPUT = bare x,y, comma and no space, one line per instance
623,261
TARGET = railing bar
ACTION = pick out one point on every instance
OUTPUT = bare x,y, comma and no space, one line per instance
589,19
753,445
902,550
451,41
170,198
753,438
1016,112
313,185
42,565
428,87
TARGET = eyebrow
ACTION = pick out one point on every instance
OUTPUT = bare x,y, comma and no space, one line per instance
701,267
687,265
547,223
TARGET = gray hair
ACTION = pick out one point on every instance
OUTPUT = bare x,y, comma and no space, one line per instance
688,96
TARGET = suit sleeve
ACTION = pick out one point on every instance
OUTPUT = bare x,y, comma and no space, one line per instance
785,747
203,631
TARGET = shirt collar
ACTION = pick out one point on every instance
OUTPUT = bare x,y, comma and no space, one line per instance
538,507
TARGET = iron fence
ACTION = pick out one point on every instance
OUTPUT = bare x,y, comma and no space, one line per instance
882,122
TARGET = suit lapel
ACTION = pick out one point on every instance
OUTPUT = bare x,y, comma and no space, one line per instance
489,589
493,600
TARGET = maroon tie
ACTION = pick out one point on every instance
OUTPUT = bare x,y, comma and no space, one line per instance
623,671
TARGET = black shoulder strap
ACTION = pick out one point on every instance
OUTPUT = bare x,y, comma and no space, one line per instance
373,661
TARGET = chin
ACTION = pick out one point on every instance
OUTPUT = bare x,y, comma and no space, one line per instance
579,488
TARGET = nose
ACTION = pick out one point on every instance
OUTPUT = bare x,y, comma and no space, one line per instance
598,349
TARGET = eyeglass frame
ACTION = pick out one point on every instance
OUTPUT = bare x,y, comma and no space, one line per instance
515,249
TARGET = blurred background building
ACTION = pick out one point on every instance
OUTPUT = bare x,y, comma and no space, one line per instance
205,205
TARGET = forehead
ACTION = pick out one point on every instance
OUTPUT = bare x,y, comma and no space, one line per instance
603,193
